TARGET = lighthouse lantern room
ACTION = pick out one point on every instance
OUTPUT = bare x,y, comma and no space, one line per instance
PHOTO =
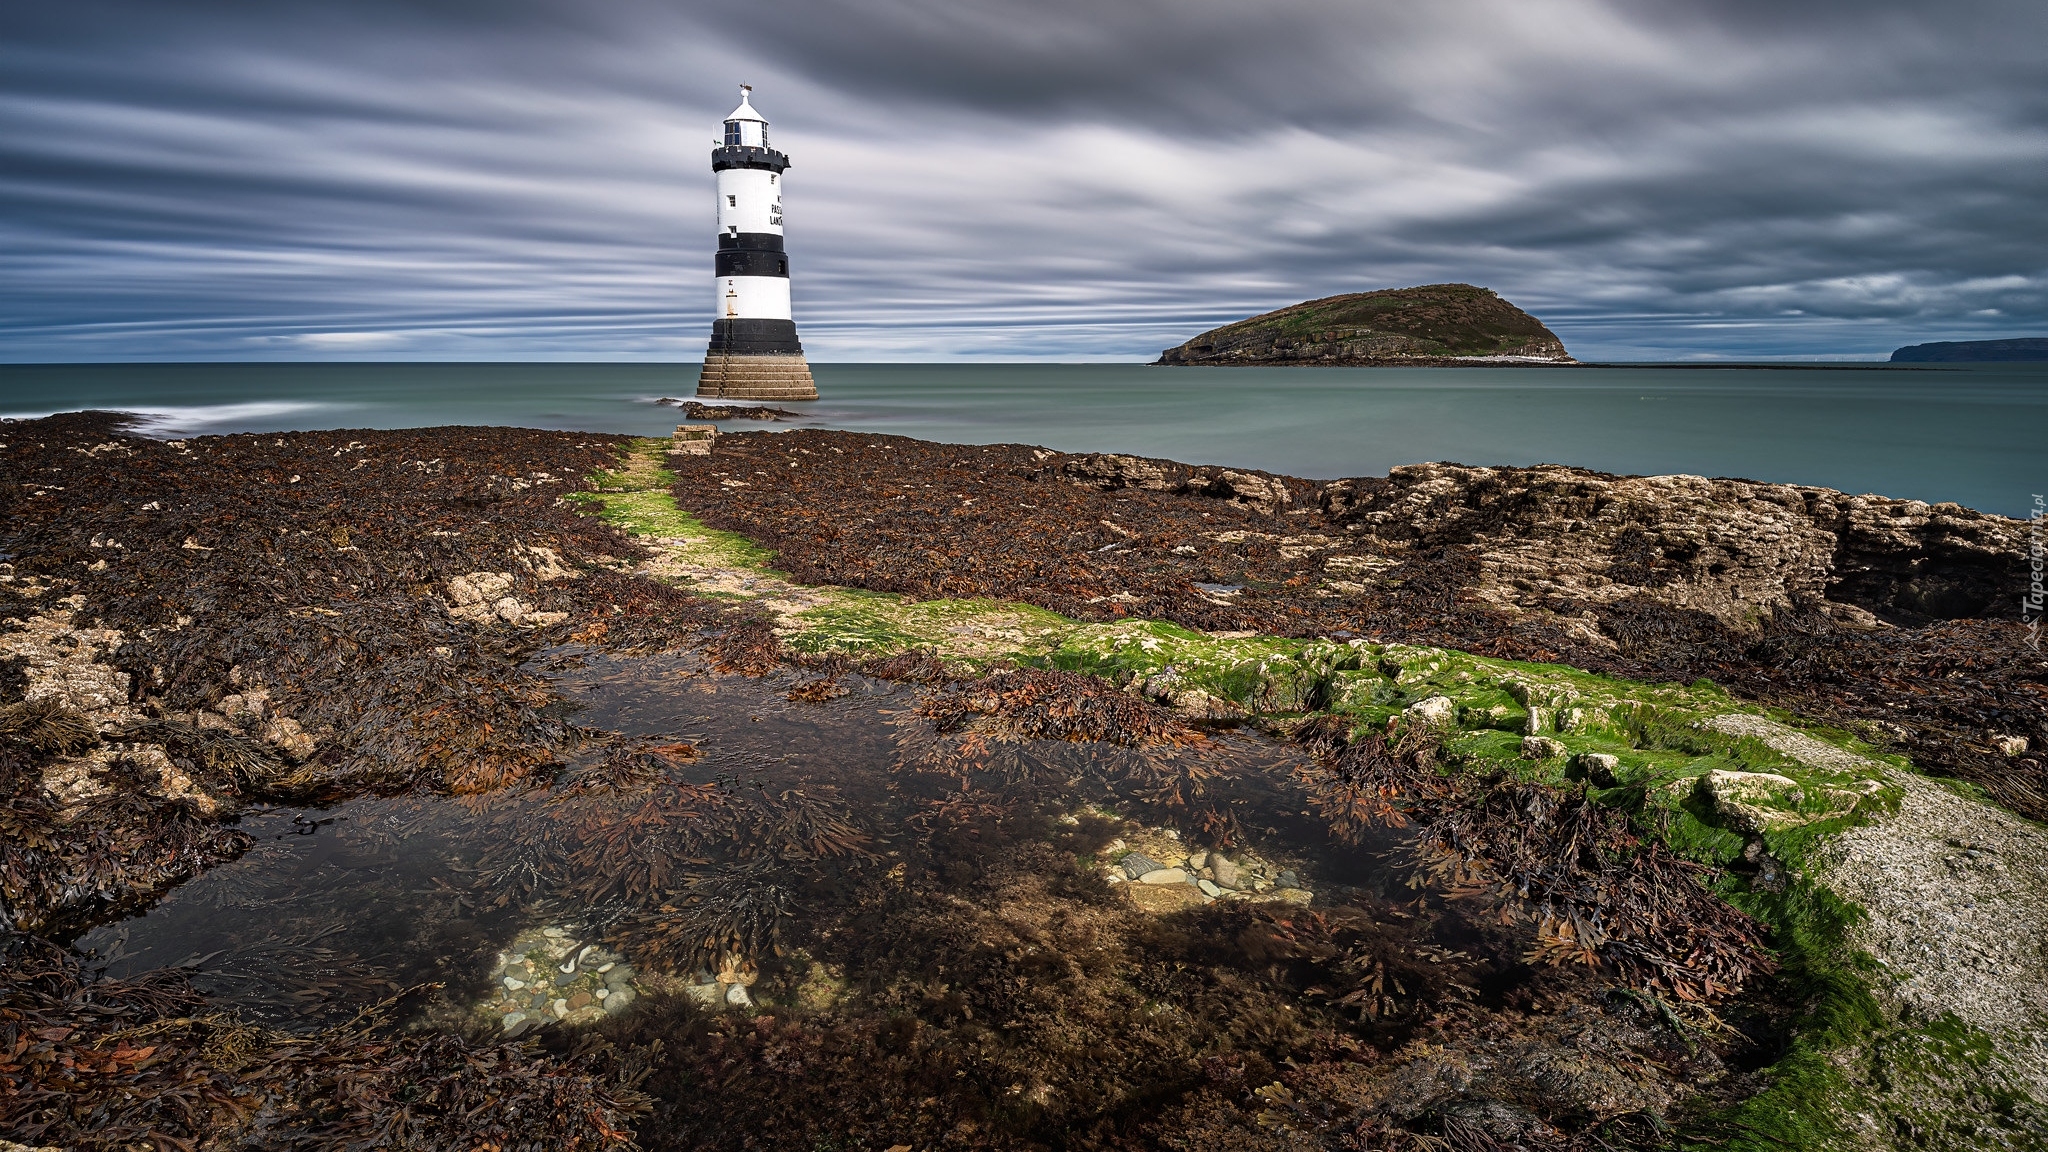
754,353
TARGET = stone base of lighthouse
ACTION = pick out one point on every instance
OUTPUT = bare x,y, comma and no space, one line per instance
756,376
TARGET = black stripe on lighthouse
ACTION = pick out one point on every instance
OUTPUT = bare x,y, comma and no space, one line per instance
747,156
748,262
746,337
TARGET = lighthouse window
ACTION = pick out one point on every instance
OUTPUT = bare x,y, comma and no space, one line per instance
732,201
732,132
771,177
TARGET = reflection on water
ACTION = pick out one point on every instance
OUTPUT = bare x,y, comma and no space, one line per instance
710,836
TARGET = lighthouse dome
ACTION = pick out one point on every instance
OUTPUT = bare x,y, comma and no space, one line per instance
745,127
746,109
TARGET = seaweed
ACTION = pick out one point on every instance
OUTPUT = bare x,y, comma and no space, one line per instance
102,1065
721,920
45,727
1594,891
298,618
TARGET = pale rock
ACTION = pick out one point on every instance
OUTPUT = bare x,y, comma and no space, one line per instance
285,735
1209,888
1738,551
1164,876
1599,767
1435,711
1541,748
1227,874
1107,472
1749,801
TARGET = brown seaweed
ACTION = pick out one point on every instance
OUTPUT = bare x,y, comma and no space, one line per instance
102,1065
1593,889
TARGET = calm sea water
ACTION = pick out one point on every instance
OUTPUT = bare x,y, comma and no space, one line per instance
1968,433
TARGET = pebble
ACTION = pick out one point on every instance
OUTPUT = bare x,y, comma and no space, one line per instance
579,1000
1197,859
1209,888
560,1008
607,966
1164,876
736,995
512,1018
1227,874
1136,865
603,993
1287,879
514,983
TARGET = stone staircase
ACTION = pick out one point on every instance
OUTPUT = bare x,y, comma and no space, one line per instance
757,377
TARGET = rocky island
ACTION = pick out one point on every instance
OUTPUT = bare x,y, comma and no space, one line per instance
471,788
2025,349
1436,325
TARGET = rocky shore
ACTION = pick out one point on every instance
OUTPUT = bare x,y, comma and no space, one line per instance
1097,801
1891,617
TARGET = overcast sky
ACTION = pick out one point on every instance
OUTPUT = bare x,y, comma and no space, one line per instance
1015,179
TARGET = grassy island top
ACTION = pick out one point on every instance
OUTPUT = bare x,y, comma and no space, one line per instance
1431,322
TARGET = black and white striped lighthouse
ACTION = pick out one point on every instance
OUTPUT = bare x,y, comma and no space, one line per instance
754,354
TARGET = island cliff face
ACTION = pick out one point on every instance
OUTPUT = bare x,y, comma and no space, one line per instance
1433,325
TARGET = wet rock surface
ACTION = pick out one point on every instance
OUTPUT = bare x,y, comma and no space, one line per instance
1890,617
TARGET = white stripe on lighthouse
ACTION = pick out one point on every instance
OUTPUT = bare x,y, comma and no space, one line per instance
749,200
751,297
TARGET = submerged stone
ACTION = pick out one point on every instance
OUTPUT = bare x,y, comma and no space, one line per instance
1136,865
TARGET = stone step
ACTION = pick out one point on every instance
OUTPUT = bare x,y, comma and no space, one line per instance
756,378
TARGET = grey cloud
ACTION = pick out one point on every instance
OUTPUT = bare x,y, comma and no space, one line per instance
980,178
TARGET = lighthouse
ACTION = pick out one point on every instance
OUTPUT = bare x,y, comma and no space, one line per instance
754,354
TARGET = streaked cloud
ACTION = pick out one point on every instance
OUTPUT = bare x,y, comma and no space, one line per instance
972,178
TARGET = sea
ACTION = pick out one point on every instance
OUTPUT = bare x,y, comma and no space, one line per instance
1975,434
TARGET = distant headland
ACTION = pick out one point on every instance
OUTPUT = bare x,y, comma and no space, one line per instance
1443,325
1965,351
